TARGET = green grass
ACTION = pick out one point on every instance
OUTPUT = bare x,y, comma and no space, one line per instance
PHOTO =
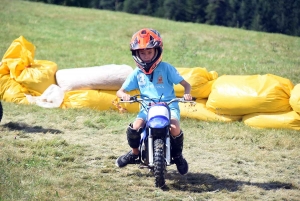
65,158
57,154
77,37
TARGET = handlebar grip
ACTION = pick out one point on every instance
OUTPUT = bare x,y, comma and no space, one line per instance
193,99
132,98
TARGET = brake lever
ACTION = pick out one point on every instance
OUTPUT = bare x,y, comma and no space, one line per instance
193,99
132,99
192,102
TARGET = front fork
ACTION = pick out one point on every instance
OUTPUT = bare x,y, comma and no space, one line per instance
167,148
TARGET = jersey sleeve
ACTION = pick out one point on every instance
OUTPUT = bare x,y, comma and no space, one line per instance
174,75
131,82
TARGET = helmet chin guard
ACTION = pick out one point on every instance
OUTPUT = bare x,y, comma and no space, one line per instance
146,39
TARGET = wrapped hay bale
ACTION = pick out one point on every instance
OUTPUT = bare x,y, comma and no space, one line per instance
127,107
200,80
107,77
98,100
19,63
245,94
199,111
94,99
52,97
288,120
38,76
17,57
295,98
11,91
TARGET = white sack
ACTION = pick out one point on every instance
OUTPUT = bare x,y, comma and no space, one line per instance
52,97
107,77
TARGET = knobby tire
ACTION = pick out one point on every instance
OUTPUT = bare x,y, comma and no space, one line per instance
159,163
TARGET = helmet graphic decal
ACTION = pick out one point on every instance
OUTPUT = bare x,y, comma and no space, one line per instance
146,39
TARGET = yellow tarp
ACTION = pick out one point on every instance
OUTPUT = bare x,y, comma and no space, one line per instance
94,99
98,100
288,120
295,98
39,76
19,55
18,62
199,111
263,101
200,80
12,91
246,94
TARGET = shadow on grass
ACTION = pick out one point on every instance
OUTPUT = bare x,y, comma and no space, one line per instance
196,182
29,129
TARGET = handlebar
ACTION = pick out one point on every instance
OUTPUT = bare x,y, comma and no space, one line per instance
134,99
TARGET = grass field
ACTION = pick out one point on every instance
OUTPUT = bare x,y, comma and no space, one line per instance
56,154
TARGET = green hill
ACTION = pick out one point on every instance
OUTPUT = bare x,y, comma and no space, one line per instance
57,154
76,37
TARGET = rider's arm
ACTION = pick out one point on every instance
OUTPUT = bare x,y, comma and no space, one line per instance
187,90
121,93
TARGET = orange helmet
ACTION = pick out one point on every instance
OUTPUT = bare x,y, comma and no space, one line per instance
145,39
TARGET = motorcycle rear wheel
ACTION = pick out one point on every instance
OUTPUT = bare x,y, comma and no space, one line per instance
159,163
1,111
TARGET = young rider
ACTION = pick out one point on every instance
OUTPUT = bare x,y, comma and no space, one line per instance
154,79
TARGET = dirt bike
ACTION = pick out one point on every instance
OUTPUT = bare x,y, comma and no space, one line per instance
155,147
1,111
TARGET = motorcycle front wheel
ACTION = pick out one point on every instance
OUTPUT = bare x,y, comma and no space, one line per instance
159,163
1,111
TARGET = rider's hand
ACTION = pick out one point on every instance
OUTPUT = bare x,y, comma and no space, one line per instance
125,97
188,97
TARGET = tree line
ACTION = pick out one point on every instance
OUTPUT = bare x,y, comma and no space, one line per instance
273,16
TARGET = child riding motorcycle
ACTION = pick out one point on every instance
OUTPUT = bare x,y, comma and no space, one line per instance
153,78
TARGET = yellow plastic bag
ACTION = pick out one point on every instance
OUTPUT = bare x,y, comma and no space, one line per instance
98,100
19,55
200,80
245,94
39,76
19,63
127,107
288,120
295,98
199,111
94,99
11,91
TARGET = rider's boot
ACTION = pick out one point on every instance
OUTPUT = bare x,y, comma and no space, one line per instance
133,138
176,153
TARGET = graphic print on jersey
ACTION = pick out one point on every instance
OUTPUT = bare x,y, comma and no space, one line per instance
141,79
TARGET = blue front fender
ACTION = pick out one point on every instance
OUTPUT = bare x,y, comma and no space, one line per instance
158,122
